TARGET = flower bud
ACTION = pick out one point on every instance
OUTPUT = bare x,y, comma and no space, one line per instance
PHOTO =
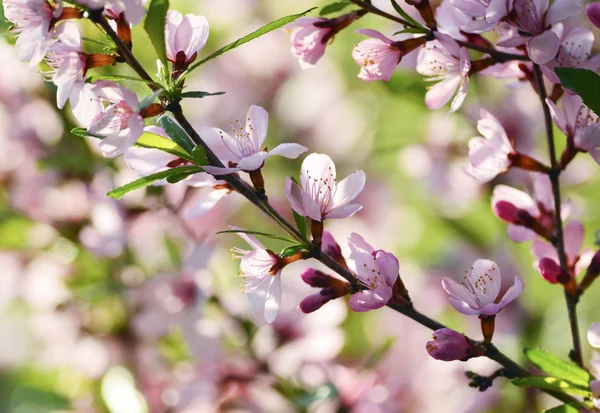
315,301
185,36
330,247
591,274
593,13
449,345
316,278
508,212
551,271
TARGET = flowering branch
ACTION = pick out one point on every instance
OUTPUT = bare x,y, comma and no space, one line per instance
571,295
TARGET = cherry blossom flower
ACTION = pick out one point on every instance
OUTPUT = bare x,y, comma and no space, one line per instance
243,152
34,20
534,20
449,345
375,270
575,51
378,56
319,195
185,36
489,155
134,9
450,20
592,11
485,14
308,40
578,123
445,61
478,293
522,211
260,276
573,240
119,122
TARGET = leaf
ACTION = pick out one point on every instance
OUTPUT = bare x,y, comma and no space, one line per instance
177,133
300,220
565,408
199,155
552,383
118,78
199,95
274,25
584,82
155,27
144,103
263,234
554,366
152,141
289,251
405,15
82,132
334,7
118,193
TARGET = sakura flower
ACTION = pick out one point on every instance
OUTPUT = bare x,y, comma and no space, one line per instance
573,240
575,51
449,345
260,276
243,152
534,20
578,123
444,61
34,20
375,270
119,122
185,36
485,14
592,11
308,40
479,291
319,195
378,56
490,154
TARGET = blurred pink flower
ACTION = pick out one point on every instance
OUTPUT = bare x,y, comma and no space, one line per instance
244,153
575,51
592,11
378,56
308,40
134,9
375,270
449,345
485,14
578,123
119,122
34,20
534,20
319,195
260,276
185,36
489,155
479,291
445,61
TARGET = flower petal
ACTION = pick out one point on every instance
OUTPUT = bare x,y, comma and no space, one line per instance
288,150
257,125
348,189
206,203
543,48
345,211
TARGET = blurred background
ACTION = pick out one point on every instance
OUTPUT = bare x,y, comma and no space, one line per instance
127,307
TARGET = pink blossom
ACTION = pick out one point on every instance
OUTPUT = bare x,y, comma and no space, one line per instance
244,151
119,122
479,291
489,155
485,14
551,271
575,51
185,36
331,288
593,13
573,240
449,345
134,9
593,335
377,271
444,61
260,276
34,20
319,195
68,62
378,56
534,20
308,40
451,19
578,123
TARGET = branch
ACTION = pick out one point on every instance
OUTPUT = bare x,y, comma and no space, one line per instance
558,239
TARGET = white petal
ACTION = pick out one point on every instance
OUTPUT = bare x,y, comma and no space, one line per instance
348,189
206,203
288,150
257,125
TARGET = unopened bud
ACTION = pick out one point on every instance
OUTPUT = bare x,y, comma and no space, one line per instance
591,274
315,301
551,271
509,212
449,345
593,13
330,247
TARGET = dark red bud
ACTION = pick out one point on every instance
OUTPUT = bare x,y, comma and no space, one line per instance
316,278
552,272
313,302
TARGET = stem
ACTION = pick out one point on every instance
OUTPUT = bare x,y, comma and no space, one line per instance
558,239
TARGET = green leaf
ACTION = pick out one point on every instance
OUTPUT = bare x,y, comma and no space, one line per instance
262,234
274,25
552,383
565,408
82,132
405,15
199,95
118,193
584,82
118,78
199,155
300,220
155,27
554,366
334,7
147,101
289,251
152,141
177,133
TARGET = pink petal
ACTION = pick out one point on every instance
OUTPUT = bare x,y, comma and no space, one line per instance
441,93
348,189
462,307
448,43
542,188
543,48
301,202
288,150
174,19
370,300
253,162
561,9
250,239
358,243
593,335
541,249
557,116
518,198
221,143
375,35
196,36
389,266
257,125
460,95
514,41
273,299
459,292
84,104
206,203
573,240
520,234
593,13
319,165
345,211
217,170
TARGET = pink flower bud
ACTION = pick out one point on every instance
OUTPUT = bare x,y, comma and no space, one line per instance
594,268
507,212
316,278
330,247
449,345
315,301
551,271
593,13
185,36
